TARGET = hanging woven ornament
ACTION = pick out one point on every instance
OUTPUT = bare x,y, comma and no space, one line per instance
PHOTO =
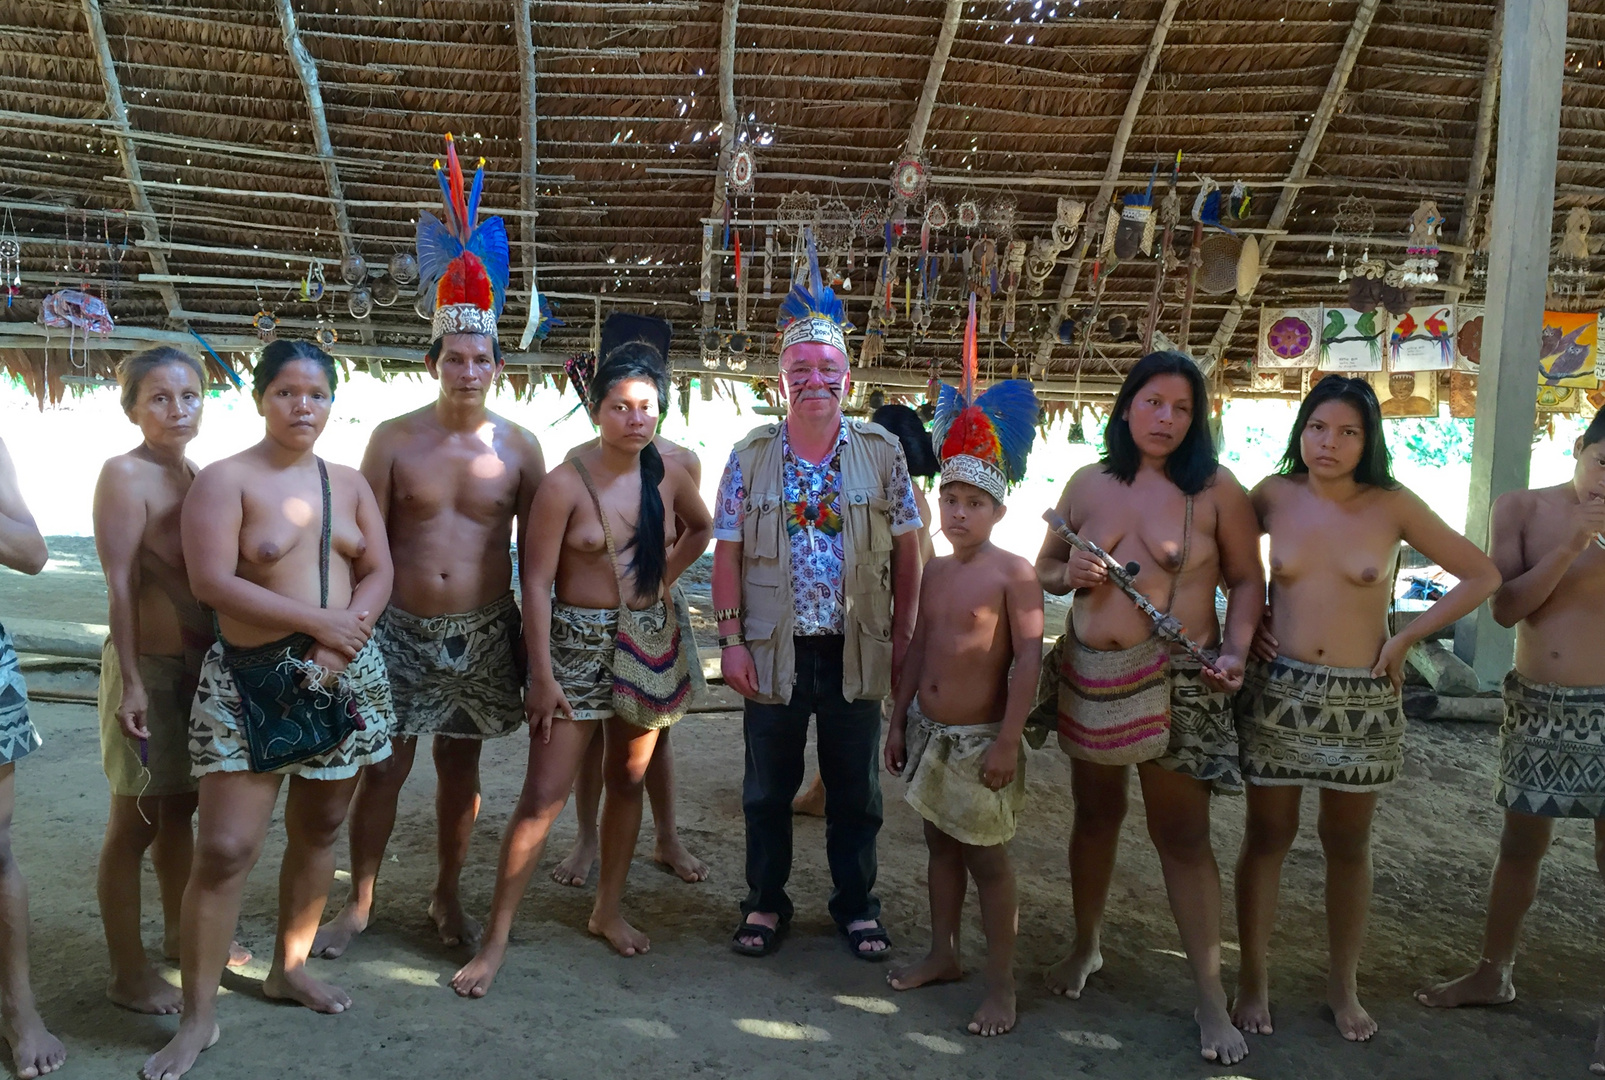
871,219
969,215
10,260
1001,214
910,178
1421,267
1135,233
326,336
312,283
265,325
1569,273
743,174
768,261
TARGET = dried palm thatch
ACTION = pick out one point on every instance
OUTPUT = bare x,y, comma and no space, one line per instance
191,160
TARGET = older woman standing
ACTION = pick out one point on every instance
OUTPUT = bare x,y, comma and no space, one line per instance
291,555
148,669
574,581
1158,498
1320,705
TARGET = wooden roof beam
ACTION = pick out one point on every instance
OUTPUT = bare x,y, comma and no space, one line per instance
1093,223
1487,106
933,79
1301,168
127,150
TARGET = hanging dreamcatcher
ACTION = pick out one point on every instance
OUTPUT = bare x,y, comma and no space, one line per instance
10,259
1355,223
969,215
1421,264
743,174
325,335
910,178
265,324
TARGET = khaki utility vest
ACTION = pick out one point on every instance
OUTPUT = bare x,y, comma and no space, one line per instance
769,608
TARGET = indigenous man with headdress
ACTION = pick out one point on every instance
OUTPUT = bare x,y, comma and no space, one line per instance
450,478
959,717
1549,543
815,578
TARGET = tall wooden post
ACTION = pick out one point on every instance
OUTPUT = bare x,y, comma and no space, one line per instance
1518,263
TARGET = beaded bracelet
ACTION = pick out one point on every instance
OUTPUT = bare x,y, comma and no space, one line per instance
730,641
721,614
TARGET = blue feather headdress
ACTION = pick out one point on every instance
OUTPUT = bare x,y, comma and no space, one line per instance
466,263
984,439
814,313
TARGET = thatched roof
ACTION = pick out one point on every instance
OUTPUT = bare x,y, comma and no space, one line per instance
628,120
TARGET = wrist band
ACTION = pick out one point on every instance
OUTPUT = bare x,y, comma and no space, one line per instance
730,641
721,614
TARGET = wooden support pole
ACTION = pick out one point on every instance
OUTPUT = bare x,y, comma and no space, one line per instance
127,150
1518,267
1301,168
530,164
1094,220
1487,107
933,79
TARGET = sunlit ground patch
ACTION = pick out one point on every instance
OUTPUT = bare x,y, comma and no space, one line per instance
879,1006
782,1029
415,976
1095,1040
647,1029
934,1042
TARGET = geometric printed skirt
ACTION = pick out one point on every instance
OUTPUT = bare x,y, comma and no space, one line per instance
1552,749
1315,726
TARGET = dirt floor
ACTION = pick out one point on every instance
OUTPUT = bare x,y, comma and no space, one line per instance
566,1006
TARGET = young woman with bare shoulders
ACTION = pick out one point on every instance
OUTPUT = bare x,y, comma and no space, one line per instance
1320,705
571,594
1158,498
291,555
148,669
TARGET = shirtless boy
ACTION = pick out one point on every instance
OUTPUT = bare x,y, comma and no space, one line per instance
980,612
1548,545
450,479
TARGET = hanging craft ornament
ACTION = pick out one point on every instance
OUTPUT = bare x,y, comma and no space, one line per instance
465,260
326,335
1421,266
871,219
1001,214
743,173
10,260
1569,275
936,214
403,267
353,269
910,178
265,325
969,213
312,284
360,302
74,309
385,291
1356,221
812,312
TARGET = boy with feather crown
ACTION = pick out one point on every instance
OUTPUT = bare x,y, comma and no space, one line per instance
959,714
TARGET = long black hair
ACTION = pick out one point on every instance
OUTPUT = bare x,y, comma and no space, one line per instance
1376,464
1191,466
637,360
906,424
1595,431
280,352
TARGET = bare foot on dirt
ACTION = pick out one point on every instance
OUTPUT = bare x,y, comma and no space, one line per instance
178,1056
932,969
1597,1064
238,955
299,986
1069,976
576,869
996,1014
456,927
146,992
335,936
1488,984
624,938
1251,1012
473,979
1218,1038
673,857
812,801
1353,1022
34,1051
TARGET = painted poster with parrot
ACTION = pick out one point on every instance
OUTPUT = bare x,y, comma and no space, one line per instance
1569,349
1422,339
1351,340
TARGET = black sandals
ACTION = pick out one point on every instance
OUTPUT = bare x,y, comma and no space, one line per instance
768,937
856,939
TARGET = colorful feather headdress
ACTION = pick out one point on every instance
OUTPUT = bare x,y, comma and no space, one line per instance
464,262
813,313
984,440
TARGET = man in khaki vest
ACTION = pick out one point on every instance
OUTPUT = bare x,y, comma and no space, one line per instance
815,578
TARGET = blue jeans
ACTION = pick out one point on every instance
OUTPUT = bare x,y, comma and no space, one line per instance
849,763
